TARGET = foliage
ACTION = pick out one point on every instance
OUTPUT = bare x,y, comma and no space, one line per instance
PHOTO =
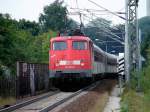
7,38
32,27
144,25
132,102
96,28
19,43
145,45
40,47
71,24
55,17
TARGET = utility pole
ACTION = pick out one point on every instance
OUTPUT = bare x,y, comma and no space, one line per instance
148,7
132,48
127,65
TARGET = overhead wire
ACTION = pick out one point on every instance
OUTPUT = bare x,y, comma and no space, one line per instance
96,10
106,25
103,22
106,28
92,13
110,33
107,10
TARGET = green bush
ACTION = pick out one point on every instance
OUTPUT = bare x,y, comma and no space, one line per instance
132,102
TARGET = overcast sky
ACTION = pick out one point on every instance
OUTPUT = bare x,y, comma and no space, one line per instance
31,9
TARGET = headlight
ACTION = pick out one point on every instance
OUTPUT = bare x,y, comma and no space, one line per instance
82,64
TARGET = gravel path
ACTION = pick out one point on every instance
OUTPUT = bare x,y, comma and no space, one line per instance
113,104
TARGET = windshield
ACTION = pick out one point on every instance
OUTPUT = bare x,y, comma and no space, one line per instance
59,45
78,45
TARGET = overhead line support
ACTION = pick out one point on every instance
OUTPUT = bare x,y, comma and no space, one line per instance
132,52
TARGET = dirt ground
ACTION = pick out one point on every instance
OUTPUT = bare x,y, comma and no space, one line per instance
94,101
7,101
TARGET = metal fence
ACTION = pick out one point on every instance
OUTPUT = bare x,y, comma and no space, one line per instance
8,86
32,78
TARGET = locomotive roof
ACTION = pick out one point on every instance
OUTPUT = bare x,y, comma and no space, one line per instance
61,38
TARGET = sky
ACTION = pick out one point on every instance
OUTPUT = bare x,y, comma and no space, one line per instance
31,9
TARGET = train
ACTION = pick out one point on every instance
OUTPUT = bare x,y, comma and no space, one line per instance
74,57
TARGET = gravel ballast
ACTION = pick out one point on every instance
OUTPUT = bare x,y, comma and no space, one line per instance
93,101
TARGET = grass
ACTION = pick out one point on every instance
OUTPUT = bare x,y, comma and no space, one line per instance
7,101
132,102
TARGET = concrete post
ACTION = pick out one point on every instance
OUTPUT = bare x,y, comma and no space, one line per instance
127,65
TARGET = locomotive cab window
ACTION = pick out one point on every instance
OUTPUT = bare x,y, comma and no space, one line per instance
60,45
79,45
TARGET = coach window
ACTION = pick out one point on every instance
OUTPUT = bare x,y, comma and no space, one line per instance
79,45
59,45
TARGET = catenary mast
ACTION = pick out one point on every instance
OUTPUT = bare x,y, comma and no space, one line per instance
132,44
148,7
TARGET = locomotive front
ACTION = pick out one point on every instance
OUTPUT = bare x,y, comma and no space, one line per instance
70,57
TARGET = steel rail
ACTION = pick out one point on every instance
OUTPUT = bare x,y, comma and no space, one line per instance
25,103
49,108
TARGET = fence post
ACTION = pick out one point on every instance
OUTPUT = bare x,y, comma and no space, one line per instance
32,81
46,82
17,81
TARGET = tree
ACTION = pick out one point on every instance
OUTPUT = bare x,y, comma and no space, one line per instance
54,16
39,49
6,39
102,29
71,24
14,42
32,27
144,25
96,28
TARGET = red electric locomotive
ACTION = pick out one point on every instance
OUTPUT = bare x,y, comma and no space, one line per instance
70,57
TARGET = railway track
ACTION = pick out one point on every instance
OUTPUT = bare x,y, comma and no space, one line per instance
47,103
25,103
